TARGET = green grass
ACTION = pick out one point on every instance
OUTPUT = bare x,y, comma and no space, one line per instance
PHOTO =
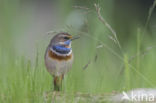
127,72
24,81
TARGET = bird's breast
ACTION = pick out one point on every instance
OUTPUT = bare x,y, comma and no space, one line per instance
55,56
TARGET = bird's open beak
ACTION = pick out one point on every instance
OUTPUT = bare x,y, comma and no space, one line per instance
75,37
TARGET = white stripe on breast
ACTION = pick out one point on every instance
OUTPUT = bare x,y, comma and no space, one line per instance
59,54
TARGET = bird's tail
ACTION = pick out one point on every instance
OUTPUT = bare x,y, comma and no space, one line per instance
58,82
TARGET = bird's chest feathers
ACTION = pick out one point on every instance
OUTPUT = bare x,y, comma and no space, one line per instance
60,54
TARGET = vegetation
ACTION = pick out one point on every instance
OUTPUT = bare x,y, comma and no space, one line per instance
106,59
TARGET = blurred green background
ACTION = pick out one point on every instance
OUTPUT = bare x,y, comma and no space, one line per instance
26,27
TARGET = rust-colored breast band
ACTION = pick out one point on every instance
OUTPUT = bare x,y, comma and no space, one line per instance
60,58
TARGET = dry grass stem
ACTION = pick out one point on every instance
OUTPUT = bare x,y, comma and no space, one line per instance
106,24
151,9
87,65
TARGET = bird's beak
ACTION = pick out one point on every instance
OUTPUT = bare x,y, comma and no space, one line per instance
75,37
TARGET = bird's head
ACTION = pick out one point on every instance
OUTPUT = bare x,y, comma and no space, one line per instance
61,43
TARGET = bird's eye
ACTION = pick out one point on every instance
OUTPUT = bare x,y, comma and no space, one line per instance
66,38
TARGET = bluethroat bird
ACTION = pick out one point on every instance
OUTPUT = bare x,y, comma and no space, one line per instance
59,57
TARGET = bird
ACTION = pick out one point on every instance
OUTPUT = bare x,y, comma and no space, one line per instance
59,57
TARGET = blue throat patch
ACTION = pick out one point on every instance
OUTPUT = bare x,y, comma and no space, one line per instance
61,49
